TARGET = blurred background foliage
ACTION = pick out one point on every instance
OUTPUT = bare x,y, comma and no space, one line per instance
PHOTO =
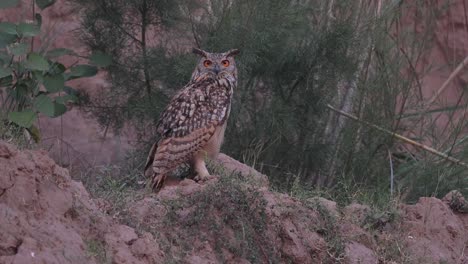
297,57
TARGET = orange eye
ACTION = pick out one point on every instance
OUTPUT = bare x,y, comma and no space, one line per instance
225,63
207,63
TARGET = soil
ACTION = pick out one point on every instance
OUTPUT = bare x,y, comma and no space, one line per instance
46,217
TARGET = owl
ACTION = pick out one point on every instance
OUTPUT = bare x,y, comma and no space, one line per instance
192,126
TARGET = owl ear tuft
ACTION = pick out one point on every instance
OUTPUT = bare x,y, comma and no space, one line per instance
232,52
199,52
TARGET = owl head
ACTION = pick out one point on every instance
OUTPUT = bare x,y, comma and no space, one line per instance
215,64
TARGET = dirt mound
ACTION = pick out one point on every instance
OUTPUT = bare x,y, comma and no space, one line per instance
45,217
435,233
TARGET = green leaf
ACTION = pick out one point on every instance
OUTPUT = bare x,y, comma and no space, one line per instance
7,27
80,71
19,92
6,39
43,4
37,62
59,52
44,104
57,68
18,49
54,83
4,72
24,119
28,29
6,81
59,109
69,90
38,75
100,59
8,3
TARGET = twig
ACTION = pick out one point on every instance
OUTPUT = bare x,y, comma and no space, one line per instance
33,19
450,78
400,137
194,32
330,10
391,171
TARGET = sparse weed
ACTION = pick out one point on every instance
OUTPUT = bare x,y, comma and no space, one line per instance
117,186
16,135
329,230
230,213
96,249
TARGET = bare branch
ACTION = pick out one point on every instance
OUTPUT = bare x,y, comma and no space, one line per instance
400,137
449,80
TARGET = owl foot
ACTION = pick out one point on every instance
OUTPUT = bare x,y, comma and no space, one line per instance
203,178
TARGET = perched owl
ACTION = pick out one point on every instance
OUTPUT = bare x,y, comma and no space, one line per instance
192,126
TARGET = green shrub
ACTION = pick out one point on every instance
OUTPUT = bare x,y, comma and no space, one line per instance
32,80
297,57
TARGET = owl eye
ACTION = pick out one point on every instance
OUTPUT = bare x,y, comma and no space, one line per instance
207,63
225,63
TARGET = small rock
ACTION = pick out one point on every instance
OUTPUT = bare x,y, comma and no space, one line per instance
456,201
356,213
125,233
329,205
147,248
6,150
356,253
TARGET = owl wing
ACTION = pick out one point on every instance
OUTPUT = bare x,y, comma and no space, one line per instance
189,121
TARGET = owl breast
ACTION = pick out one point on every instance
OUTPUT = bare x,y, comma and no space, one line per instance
202,103
213,146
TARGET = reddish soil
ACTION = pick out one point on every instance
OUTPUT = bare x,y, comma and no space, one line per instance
46,217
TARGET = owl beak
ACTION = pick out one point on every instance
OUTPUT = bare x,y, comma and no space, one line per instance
216,69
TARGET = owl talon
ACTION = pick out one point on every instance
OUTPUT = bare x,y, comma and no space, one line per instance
200,178
204,178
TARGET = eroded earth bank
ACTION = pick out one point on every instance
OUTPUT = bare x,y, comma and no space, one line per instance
46,217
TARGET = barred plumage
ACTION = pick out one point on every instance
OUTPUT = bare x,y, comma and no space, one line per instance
192,126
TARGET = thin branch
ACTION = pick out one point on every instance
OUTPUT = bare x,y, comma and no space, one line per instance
449,80
33,19
194,32
144,28
400,137
392,177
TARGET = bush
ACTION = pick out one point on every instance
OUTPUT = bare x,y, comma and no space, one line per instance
297,57
32,81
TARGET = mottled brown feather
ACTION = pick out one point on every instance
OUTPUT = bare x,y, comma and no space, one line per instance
188,123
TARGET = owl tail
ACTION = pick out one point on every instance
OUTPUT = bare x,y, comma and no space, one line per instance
157,178
150,160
